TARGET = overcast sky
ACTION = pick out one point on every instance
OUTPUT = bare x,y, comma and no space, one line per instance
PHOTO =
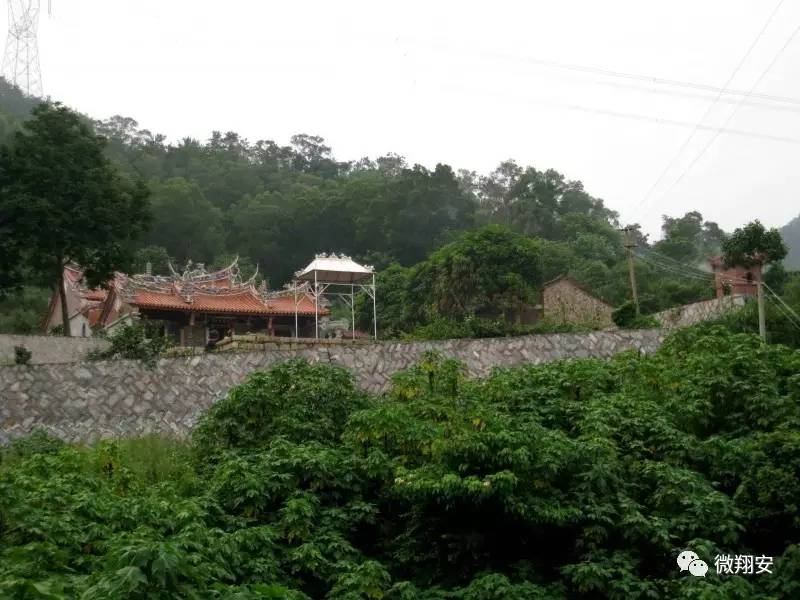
468,84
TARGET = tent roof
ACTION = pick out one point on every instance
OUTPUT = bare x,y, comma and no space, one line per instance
335,269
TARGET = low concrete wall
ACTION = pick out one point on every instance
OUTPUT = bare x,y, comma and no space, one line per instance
86,401
48,349
690,314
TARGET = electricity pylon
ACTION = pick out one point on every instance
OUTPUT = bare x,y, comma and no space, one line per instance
21,59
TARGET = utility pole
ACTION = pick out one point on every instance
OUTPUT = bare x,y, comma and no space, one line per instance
629,245
762,317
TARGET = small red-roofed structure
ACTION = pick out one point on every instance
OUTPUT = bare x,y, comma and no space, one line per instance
740,281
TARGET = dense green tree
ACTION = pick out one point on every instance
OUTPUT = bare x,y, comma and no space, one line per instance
21,311
393,302
186,224
754,245
63,201
155,257
491,269
776,277
689,239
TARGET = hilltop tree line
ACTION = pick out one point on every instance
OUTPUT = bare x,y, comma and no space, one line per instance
433,230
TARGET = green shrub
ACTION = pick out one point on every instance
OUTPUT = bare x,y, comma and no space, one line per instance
441,328
21,312
141,341
22,355
296,400
780,329
625,316
575,479
37,442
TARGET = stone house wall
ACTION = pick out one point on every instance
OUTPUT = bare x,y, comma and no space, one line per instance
565,302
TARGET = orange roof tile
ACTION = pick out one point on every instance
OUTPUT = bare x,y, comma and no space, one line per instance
98,295
245,302
94,315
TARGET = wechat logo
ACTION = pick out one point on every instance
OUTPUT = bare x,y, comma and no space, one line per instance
689,561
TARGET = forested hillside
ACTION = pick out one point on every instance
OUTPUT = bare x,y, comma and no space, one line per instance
791,235
277,205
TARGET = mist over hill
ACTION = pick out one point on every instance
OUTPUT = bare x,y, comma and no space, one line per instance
791,235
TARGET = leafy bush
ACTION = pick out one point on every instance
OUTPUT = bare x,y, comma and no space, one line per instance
625,316
577,479
441,328
141,341
22,355
780,329
21,311
294,400
37,442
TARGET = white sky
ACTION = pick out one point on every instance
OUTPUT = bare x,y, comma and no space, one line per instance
458,82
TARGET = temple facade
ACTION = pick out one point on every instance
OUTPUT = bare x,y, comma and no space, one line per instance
192,308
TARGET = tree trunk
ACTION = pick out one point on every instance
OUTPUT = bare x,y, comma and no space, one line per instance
63,298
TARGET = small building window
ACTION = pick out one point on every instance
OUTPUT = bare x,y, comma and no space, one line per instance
83,330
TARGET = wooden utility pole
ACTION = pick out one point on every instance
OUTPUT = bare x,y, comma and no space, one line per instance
629,245
762,318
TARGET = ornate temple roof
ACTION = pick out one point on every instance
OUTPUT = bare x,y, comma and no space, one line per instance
193,290
221,292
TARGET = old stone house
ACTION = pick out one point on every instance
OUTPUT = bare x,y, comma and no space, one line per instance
565,301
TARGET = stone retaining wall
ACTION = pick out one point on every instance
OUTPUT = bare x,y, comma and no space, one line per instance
48,349
86,401
690,314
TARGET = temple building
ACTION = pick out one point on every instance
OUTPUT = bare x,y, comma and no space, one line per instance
192,308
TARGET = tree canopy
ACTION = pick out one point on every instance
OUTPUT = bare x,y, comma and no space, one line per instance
753,244
62,200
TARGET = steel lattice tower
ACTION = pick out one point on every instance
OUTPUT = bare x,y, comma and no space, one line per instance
21,59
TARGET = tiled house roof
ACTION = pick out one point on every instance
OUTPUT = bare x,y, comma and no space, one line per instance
244,302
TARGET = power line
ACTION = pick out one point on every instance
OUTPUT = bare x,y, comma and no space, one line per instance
707,278
649,79
786,310
733,114
791,107
710,108
782,301
630,115
783,312
664,257
674,264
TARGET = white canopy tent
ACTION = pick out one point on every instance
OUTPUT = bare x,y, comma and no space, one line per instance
329,270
